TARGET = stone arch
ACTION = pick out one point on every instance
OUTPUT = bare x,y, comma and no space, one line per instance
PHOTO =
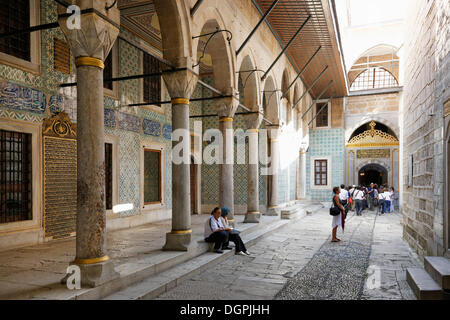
175,31
378,162
221,52
367,119
250,85
286,102
375,166
375,47
270,101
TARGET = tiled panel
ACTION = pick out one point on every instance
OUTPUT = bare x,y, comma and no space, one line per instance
17,97
167,131
326,142
110,118
151,127
129,122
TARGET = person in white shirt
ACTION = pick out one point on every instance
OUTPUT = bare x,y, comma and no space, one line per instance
387,201
392,198
343,195
215,231
382,201
358,195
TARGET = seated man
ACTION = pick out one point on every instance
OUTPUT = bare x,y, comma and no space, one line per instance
233,236
215,231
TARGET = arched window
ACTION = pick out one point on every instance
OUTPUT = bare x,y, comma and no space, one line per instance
374,78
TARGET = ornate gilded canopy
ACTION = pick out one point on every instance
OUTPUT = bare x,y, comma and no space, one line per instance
373,138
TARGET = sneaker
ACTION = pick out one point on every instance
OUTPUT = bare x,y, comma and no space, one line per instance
218,251
241,253
247,253
227,248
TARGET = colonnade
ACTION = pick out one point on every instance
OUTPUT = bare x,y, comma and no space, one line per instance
90,45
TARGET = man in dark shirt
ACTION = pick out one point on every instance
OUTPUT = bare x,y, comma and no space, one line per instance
370,200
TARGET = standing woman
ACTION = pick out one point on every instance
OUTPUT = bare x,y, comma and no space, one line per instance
339,220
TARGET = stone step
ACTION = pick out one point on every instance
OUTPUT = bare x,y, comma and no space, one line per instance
439,270
423,286
164,281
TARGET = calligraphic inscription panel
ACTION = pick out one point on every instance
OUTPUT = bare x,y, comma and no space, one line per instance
60,180
373,153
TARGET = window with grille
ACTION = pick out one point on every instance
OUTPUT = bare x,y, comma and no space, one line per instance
374,78
109,176
14,16
152,176
322,115
108,71
152,85
320,172
15,177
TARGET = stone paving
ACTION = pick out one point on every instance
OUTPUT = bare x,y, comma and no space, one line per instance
35,272
300,262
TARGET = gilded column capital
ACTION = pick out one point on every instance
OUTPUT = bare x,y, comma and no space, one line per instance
96,32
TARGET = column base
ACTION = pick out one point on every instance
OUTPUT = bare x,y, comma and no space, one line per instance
272,211
177,241
94,275
252,217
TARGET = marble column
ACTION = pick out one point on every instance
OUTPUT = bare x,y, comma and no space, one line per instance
226,109
253,214
302,175
180,85
272,209
90,45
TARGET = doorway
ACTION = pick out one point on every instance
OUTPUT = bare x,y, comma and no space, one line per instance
372,173
195,187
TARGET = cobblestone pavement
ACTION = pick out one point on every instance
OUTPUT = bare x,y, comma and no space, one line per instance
300,262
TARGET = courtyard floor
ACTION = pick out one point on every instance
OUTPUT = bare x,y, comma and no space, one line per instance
297,261
300,262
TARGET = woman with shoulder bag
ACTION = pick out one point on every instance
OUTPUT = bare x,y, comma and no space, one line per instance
338,213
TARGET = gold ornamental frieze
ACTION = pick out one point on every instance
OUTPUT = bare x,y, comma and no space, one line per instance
373,138
373,154
60,126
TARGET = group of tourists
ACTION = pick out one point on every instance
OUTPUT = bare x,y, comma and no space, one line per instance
358,198
373,197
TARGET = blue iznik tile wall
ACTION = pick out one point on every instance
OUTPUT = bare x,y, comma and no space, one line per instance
327,143
29,97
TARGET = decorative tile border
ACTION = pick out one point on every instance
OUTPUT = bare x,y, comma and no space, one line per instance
167,131
151,127
129,122
110,118
21,98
